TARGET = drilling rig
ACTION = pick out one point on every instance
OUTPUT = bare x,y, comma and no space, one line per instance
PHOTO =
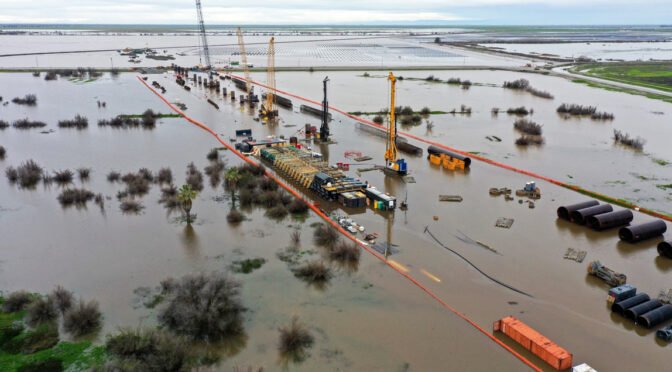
251,98
268,110
324,127
204,39
392,164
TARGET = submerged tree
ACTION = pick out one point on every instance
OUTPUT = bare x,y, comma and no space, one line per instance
186,194
232,178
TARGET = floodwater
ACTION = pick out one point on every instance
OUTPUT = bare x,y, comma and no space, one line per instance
642,51
106,256
290,51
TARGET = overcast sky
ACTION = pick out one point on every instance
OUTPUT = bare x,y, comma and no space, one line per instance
505,12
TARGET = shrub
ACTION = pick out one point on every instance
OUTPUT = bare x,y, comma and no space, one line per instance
62,299
149,119
169,197
3,125
204,307
28,99
3,152
527,127
77,197
83,318
131,206
63,177
113,176
51,75
41,338
345,252
522,111
41,311
294,341
150,350
267,184
325,236
296,237
268,199
27,124
84,173
625,140
16,301
165,175
517,84
136,184
29,174
406,110
314,272
539,93
146,174
378,119
194,177
246,197
235,216
454,81
12,174
213,154
79,122
248,265
416,119
432,78
278,212
576,110
297,206
526,140
602,116
425,111
466,84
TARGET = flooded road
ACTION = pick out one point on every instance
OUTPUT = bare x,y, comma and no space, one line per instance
375,317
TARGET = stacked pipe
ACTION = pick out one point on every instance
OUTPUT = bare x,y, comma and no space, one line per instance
665,249
655,317
581,215
621,306
610,220
565,211
641,309
637,233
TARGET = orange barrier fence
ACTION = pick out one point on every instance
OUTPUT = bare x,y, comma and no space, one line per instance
578,189
338,227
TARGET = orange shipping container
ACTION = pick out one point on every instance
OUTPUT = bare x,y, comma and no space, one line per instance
535,342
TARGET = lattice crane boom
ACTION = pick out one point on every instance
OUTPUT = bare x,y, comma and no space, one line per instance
243,60
270,77
399,166
204,38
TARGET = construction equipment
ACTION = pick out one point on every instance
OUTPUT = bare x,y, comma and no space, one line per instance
608,275
204,39
393,164
324,127
246,66
268,110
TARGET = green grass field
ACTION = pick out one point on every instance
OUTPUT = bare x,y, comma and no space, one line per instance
651,75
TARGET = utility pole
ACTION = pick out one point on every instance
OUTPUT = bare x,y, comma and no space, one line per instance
324,128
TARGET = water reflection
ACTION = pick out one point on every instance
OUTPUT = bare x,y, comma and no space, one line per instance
190,242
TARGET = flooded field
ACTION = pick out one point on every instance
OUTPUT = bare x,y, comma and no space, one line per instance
600,51
108,255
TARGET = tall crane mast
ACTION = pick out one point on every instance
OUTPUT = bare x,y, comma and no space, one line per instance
392,163
204,39
324,128
268,110
243,61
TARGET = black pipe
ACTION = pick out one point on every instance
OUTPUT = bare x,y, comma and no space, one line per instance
665,249
564,212
609,220
633,234
621,306
655,317
643,308
580,216
433,150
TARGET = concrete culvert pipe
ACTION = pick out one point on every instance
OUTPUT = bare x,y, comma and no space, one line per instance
655,317
609,220
665,249
580,216
643,308
621,306
565,211
633,234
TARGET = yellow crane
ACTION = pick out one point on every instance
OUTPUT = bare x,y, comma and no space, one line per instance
268,110
243,61
393,164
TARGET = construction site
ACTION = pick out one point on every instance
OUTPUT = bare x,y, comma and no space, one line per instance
359,216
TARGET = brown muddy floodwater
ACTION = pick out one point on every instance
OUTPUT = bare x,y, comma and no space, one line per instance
372,319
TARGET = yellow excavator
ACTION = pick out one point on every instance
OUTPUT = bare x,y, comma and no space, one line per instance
392,163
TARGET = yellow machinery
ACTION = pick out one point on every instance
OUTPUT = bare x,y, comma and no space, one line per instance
268,110
246,67
398,166
447,159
